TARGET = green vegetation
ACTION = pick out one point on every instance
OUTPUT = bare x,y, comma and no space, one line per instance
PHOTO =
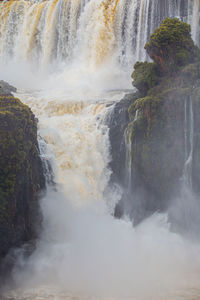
156,81
20,172
145,76
156,126
18,130
171,45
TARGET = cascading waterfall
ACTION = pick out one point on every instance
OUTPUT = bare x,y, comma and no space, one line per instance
63,30
186,210
75,142
189,136
128,147
47,161
40,31
193,19
74,57
128,176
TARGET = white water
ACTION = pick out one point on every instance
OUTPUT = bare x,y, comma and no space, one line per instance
185,210
189,143
82,35
66,57
193,17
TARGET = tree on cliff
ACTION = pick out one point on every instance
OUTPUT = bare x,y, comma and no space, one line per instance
170,47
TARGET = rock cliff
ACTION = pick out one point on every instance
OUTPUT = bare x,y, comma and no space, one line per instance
160,127
21,173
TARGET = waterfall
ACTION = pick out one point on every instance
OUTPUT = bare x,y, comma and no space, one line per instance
193,19
128,165
75,143
189,136
128,146
38,31
186,209
71,61
47,161
43,32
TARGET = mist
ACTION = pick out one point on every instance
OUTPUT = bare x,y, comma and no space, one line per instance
85,251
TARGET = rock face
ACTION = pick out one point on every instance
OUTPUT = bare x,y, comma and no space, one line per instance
21,173
118,122
6,89
162,127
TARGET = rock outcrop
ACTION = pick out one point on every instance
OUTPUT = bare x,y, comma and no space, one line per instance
6,89
160,129
21,172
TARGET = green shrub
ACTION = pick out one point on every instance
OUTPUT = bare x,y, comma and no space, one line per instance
145,76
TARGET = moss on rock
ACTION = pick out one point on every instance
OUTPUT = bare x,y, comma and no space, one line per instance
156,118
21,174
171,46
145,76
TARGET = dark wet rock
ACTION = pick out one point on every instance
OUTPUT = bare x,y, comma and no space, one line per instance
157,129
118,122
21,174
6,89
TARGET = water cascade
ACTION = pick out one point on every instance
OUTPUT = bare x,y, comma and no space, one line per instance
189,136
128,177
75,142
129,193
187,203
71,61
193,18
43,32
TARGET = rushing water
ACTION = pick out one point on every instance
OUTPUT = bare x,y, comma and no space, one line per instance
189,143
71,61
90,32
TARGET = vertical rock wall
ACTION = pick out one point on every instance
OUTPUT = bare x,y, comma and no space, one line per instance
21,173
